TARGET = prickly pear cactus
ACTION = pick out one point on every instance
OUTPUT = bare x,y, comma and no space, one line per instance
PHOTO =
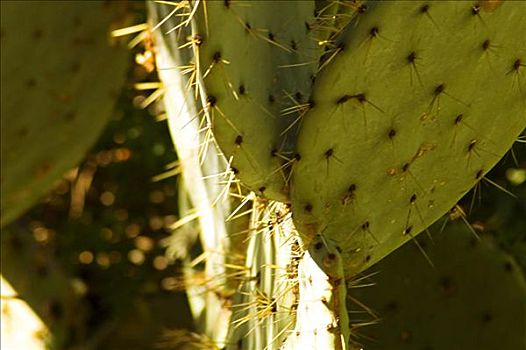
420,102
257,61
60,78
473,298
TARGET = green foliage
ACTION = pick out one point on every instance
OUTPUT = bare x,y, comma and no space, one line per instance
60,79
473,298
419,104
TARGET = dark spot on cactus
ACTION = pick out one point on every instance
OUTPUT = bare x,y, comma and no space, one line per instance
77,21
298,96
216,57
271,99
297,157
447,285
458,119
475,10
56,310
247,26
226,3
262,189
211,100
411,57
318,245
479,174
373,32
343,99
439,89
239,140
360,97
271,36
405,167
41,270
365,225
329,153
274,152
407,230
339,249
335,282
241,89
31,83
367,258
508,266
240,344
392,133
311,104
471,145
391,306
75,67
198,39
70,116
362,8
352,188
485,44
308,208
424,8
307,25
42,169
413,199
405,336
293,45
38,33
234,170
487,317
518,64
341,46
312,78
331,256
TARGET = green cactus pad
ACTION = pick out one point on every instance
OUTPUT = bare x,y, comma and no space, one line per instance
419,104
474,297
60,79
257,59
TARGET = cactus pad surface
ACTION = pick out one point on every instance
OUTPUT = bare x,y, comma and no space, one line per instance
474,298
60,79
421,101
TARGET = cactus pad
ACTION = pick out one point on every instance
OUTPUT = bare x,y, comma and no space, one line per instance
60,79
474,298
419,104
257,60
